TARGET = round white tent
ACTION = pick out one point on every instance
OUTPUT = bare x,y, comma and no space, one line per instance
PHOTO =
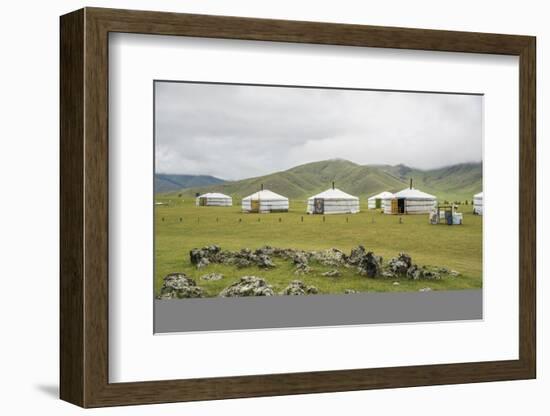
265,201
409,201
333,201
214,199
478,203
375,201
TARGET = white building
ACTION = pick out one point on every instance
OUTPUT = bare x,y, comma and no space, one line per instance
214,199
409,201
333,201
478,203
375,201
265,201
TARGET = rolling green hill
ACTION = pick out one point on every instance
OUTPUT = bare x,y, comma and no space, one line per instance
171,183
453,182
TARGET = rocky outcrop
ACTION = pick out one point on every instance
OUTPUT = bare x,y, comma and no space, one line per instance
179,286
297,287
248,286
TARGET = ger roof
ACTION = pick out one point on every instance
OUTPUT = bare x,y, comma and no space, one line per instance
265,194
333,193
411,193
382,195
214,195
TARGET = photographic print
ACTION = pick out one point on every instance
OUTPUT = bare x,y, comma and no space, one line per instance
315,206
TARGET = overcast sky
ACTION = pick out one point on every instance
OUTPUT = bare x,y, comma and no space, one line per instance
237,131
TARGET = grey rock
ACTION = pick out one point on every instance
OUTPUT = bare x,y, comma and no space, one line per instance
400,264
297,288
454,273
212,276
329,257
370,265
179,286
425,289
350,291
356,255
248,286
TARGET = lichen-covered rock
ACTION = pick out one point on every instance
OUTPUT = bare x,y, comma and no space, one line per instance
297,288
179,286
212,276
388,274
201,257
425,289
350,291
370,265
430,275
332,273
302,268
356,255
454,273
264,261
330,257
414,272
248,286
400,264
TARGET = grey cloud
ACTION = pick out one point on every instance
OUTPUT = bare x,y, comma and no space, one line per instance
237,131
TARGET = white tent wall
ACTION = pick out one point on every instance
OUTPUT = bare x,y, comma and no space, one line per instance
274,205
214,200
478,204
336,206
372,202
268,202
419,206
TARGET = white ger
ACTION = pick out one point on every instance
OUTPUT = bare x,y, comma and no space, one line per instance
375,201
333,201
214,199
478,203
409,201
265,201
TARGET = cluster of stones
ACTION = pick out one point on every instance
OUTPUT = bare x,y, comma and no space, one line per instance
202,257
366,262
179,285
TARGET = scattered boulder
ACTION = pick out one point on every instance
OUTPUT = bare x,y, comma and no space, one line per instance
370,265
248,286
350,291
395,283
203,256
425,289
297,287
332,273
454,273
302,268
356,255
388,274
400,264
330,257
212,276
179,286
414,272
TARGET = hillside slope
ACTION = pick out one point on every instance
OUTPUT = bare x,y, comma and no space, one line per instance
172,183
453,182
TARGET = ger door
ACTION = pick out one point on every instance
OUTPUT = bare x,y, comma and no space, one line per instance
318,206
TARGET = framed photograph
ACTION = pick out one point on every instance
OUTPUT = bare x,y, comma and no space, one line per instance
255,207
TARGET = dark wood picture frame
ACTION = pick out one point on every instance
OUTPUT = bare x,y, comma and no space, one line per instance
84,207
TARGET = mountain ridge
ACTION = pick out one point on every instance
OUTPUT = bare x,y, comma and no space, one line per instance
454,182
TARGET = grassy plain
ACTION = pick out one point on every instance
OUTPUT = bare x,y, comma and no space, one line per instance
181,226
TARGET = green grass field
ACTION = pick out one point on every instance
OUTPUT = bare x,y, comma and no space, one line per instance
455,247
